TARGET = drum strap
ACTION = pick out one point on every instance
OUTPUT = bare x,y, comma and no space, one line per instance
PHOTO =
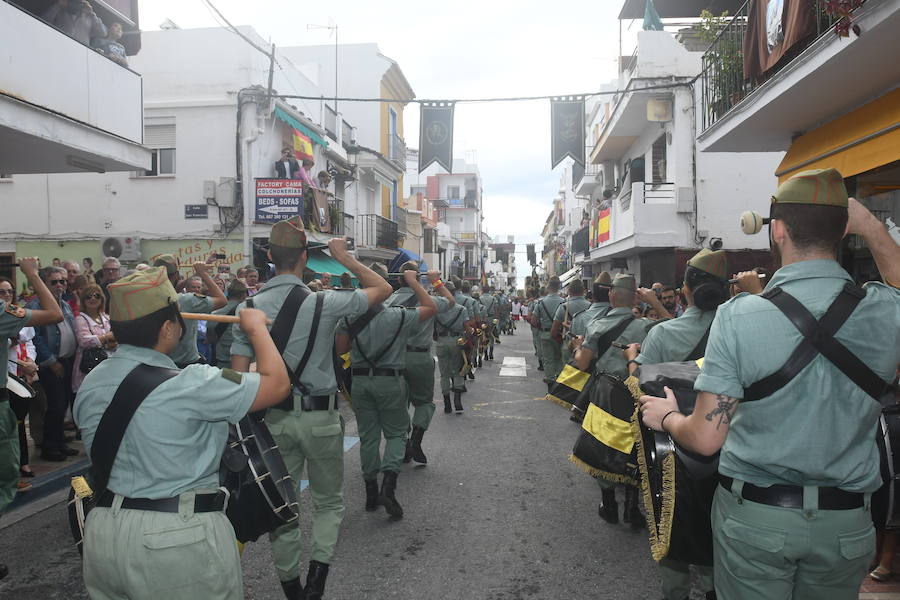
372,362
221,327
449,325
818,338
133,390
604,342
363,321
700,349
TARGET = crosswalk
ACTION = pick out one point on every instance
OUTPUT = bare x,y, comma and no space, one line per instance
513,366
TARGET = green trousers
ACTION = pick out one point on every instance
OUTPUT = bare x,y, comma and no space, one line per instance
449,364
314,440
536,340
550,350
380,405
9,454
676,579
764,552
565,355
420,382
145,555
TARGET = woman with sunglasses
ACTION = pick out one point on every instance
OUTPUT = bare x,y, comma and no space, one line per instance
92,329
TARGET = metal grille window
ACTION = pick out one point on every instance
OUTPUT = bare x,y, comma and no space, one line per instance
452,192
658,159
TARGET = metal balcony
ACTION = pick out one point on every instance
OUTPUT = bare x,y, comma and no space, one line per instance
374,231
398,151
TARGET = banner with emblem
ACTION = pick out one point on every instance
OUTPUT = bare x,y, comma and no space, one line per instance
567,129
436,135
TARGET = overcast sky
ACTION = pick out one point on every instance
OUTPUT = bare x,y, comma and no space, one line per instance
454,50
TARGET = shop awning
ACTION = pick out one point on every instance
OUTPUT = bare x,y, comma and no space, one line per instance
569,275
403,256
861,140
319,263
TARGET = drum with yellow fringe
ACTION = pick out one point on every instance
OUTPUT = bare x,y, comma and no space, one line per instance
569,385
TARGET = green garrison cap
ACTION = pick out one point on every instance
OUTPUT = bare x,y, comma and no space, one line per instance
288,234
603,279
168,261
625,281
824,187
140,294
713,262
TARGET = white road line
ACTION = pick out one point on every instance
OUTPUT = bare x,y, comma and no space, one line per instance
513,366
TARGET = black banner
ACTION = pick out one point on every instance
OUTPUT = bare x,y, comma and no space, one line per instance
567,121
436,135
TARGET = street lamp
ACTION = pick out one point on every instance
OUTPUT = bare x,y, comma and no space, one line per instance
333,27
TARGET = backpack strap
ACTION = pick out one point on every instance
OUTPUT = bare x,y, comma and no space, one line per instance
818,338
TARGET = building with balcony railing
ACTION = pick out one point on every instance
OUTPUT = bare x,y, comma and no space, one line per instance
374,232
828,101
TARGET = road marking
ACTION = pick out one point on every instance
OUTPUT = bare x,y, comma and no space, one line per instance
513,361
513,366
349,442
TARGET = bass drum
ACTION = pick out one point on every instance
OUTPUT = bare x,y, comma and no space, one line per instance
886,501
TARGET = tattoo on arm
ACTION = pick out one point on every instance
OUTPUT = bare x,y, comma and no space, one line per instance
724,410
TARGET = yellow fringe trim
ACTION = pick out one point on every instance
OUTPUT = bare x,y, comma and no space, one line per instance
594,472
559,401
660,535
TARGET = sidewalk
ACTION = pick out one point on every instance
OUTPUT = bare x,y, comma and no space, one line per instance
889,590
49,476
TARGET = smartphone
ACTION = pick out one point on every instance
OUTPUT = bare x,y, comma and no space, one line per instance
219,256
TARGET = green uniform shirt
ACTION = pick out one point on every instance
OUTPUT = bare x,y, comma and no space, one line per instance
384,339
819,429
612,360
489,306
673,340
546,308
570,307
318,376
186,350
421,335
452,321
223,342
12,319
466,301
580,323
175,441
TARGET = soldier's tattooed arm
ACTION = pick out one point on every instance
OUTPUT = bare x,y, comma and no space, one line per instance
705,429
724,410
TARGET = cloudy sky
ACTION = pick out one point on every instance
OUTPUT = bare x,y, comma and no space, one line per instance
455,50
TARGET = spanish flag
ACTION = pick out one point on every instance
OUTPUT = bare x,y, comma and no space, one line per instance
603,227
302,145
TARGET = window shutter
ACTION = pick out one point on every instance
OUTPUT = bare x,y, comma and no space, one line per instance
159,136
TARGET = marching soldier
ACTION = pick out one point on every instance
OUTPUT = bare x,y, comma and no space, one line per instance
220,333
449,328
186,352
419,373
12,319
609,359
159,527
791,515
307,425
489,305
550,347
565,314
380,393
533,303
463,296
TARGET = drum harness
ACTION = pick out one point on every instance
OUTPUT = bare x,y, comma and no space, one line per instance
355,328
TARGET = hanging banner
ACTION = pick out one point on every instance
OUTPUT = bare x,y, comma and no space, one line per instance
567,124
436,135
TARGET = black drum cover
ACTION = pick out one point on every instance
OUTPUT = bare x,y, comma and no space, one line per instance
886,501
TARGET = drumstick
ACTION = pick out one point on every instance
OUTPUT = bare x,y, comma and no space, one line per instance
214,318
761,276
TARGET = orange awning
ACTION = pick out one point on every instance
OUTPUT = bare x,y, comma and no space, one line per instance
861,140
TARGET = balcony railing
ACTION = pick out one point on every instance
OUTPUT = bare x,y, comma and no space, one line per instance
659,192
398,151
724,82
400,216
324,213
581,241
374,231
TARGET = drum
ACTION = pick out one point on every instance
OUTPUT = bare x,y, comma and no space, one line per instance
263,493
605,444
678,485
886,501
569,385
17,387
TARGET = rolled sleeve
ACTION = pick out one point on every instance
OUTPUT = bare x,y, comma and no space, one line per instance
240,344
719,374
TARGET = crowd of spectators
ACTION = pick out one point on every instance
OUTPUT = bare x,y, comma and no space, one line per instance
77,19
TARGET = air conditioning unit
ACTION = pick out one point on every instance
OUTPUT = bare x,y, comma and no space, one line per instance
124,248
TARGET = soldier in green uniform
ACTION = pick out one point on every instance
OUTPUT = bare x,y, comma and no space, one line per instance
463,297
380,393
681,339
419,373
610,360
186,352
220,334
12,319
309,430
565,313
550,347
449,327
489,308
534,303
159,528
791,516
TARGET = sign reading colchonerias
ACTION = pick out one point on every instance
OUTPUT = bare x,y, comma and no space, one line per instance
278,199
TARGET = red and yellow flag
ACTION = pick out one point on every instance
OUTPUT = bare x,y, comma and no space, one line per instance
302,145
603,226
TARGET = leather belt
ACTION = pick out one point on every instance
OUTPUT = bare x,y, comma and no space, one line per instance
791,496
202,503
418,348
378,372
308,403
447,333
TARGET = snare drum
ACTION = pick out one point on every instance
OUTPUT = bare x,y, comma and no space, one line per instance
17,387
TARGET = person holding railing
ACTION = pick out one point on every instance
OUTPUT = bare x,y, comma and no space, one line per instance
77,19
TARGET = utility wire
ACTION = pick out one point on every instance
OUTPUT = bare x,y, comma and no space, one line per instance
237,32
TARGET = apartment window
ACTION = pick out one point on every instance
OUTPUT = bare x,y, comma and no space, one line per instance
452,191
159,135
162,163
658,159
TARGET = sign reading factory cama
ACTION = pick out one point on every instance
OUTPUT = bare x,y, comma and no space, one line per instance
436,135
567,124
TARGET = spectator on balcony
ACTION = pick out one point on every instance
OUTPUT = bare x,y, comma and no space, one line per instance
287,166
303,173
324,178
457,266
110,47
75,18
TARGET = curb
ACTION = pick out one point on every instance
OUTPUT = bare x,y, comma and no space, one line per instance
47,484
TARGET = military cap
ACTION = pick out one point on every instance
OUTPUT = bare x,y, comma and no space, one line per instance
168,261
824,187
625,281
288,234
713,262
140,294
603,279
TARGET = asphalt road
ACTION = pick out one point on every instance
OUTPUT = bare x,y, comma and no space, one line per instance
497,514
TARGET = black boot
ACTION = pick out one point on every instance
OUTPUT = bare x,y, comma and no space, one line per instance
447,408
470,375
406,455
609,508
293,590
632,513
457,401
371,495
4,571
386,498
540,365
315,580
415,446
